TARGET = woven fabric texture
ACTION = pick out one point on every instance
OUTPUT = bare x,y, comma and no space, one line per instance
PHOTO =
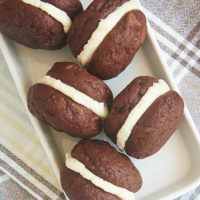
176,25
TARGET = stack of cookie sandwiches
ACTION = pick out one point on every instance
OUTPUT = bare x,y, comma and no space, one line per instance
104,38
142,118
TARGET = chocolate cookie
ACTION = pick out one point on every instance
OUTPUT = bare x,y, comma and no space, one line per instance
38,28
144,116
104,162
70,100
106,36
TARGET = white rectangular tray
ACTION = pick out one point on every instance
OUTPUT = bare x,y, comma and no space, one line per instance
174,170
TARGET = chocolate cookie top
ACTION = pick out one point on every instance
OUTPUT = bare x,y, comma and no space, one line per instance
80,79
156,125
105,162
86,22
115,53
124,103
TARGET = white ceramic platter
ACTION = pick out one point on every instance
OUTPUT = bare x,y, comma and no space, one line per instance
174,170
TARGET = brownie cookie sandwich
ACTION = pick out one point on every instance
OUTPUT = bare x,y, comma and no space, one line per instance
106,36
144,116
71,100
39,24
96,171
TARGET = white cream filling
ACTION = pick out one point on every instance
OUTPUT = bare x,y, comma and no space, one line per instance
76,166
53,11
155,91
104,27
97,107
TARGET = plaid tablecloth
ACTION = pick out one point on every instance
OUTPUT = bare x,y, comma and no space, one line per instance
176,24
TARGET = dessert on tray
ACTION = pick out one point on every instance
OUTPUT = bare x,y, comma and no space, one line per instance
95,170
70,100
144,116
106,36
38,24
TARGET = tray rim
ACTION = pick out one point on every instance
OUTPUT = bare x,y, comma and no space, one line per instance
46,146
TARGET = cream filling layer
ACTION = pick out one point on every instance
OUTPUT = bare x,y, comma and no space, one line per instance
104,27
97,107
155,91
53,11
76,166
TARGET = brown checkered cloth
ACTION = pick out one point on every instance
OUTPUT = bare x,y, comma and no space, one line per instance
177,28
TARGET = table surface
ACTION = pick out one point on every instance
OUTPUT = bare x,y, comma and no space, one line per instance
176,24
